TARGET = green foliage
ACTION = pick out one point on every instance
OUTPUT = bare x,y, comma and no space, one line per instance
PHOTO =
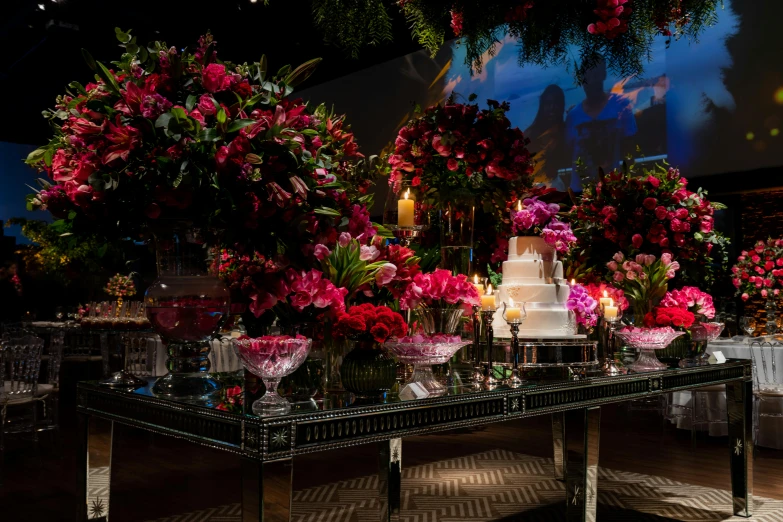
353,24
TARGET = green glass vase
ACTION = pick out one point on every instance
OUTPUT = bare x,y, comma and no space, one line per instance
368,370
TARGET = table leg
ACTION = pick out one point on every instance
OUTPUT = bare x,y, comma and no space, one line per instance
581,436
94,467
390,479
739,404
557,444
267,490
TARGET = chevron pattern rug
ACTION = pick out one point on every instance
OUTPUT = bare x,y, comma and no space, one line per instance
502,485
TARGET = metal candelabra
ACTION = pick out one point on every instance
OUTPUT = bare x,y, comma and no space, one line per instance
477,378
609,365
486,319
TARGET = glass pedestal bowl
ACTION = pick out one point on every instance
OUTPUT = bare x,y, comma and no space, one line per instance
701,334
647,340
271,358
422,352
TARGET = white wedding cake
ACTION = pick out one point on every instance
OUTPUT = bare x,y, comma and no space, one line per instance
533,275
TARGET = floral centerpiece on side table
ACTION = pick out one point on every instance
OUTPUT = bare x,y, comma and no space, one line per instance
757,272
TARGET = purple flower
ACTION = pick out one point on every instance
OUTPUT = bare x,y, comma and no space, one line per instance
583,306
533,213
559,235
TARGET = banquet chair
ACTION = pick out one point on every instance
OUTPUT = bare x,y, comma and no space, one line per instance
20,392
81,348
140,353
767,383
703,409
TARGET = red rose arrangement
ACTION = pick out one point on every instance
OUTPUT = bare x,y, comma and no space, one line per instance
759,270
367,321
181,134
669,316
639,211
692,299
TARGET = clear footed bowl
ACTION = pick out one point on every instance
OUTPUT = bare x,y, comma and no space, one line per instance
647,340
701,334
271,358
422,352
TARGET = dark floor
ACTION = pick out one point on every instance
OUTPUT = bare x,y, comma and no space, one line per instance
155,476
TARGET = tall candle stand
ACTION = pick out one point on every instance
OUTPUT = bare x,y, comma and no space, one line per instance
515,381
609,365
477,377
486,319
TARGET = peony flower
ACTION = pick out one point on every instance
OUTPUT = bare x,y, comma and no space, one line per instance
212,77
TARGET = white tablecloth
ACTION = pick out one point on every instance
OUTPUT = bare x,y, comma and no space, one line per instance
222,357
770,428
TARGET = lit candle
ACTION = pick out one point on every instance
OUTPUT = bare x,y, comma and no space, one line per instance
605,300
513,313
405,210
479,285
610,311
488,299
573,282
519,206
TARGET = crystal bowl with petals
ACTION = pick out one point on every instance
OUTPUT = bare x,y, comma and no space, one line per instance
422,352
271,358
647,340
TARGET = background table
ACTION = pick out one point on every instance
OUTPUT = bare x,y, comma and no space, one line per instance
770,433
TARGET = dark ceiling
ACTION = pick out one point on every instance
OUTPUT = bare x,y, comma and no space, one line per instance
41,42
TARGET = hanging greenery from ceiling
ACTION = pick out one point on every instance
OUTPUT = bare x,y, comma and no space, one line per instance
548,32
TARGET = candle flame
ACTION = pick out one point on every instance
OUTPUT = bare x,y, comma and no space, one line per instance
489,289
611,302
519,205
475,279
605,295
573,282
407,193
510,302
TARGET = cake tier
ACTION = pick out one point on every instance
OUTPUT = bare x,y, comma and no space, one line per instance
533,293
539,323
532,247
531,271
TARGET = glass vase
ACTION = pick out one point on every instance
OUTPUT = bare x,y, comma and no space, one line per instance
457,214
435,320
771,308
186,307
368,371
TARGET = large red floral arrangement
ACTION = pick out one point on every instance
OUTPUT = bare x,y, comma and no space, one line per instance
456,147
164,133
649,212
367,321
759,270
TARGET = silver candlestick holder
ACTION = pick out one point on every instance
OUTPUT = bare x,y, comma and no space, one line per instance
486,318
477,377
407,234
609,365
515,381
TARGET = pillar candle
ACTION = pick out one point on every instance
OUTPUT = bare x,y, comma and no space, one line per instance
479,286
610,311
488,299
405,211
605,301
513,313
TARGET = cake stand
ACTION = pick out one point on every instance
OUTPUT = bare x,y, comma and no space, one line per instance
422,355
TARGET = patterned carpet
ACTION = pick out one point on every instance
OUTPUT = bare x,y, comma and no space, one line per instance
501,485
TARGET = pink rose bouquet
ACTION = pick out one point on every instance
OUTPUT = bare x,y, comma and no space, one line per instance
439,289
692,299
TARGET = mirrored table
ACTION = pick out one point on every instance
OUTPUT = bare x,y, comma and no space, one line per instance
268,446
